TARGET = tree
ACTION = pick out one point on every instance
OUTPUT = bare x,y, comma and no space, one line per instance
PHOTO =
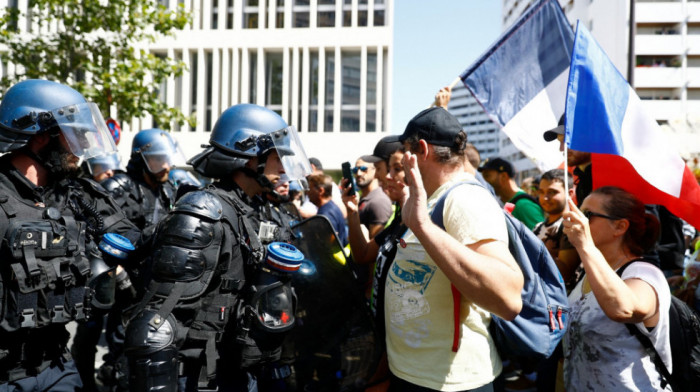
93,46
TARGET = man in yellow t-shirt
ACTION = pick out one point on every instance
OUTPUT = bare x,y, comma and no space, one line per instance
471,254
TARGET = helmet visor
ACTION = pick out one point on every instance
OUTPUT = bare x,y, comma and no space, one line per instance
85,130
103,163
288,145
162,153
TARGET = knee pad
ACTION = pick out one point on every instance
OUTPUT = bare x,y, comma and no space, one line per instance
152,354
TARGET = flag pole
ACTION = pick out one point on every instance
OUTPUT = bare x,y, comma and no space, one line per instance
566,172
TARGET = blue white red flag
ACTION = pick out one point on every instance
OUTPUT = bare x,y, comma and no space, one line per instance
521,80
605,116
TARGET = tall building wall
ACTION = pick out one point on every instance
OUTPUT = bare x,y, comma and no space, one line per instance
323,65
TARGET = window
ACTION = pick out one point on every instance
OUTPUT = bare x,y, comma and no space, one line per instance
300,13
350,109
274,70
347,13
313,91
330,90
379,12
229,15
253,77
250,14
362,13
371,119
326,13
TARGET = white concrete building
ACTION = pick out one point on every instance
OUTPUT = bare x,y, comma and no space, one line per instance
323,65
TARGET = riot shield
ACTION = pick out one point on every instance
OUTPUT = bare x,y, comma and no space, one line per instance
334,343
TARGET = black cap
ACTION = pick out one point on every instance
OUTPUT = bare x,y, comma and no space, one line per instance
434,125
383,150
558,130
499,165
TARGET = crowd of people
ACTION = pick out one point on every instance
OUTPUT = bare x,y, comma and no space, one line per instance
187,266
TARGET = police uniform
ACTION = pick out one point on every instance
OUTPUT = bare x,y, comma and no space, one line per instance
46,234
204,251
144,206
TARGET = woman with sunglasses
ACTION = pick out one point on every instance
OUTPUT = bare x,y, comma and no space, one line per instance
610,231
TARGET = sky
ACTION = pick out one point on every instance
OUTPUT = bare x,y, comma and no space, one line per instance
435,41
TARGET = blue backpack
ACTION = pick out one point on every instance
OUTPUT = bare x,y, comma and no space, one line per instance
540,325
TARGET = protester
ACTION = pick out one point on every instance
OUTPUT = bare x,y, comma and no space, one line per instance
471,254
609,231
552,198
380,157
579,160
499,173
307,208
320,191
375,206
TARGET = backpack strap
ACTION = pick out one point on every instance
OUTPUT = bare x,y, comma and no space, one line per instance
646,342
437,218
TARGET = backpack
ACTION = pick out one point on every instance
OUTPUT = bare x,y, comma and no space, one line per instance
684,332
540,325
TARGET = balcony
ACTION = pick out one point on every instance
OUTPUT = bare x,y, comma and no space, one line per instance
659,12
658,77
665,109
693,77
693,11
658,45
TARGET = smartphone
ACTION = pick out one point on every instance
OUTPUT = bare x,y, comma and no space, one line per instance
347,174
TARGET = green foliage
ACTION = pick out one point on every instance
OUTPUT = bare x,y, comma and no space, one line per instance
70,39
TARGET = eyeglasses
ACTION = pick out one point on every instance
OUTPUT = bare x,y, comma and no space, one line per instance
591,214
359,168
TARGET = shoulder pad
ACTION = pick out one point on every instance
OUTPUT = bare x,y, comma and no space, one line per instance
200,203
92,186
119,183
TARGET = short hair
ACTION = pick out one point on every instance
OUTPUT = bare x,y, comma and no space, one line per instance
323,181
557,175
316,163
453,155
472,154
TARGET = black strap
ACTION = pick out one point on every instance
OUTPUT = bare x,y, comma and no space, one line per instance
519,196
646,342
168,305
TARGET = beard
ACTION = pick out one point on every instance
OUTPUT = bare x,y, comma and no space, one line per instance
58,160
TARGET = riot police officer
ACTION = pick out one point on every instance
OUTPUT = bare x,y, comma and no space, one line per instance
144,192
212,306
50,222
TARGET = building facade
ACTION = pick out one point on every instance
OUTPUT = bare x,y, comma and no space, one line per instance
323,65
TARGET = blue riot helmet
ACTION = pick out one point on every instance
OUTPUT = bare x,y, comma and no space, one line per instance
36,106
103,163
157,150
245,131
183,177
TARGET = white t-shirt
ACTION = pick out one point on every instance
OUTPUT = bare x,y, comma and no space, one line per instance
419,312
602,355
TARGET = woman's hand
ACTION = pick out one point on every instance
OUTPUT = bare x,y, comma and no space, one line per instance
576,226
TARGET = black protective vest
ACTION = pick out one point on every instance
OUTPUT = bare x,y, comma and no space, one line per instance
203,252
139,203
45,269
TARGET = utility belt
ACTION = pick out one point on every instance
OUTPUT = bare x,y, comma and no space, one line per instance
26,353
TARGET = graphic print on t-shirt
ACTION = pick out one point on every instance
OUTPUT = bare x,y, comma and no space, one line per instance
408,281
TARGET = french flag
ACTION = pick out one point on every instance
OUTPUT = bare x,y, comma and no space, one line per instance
521,80
604,116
